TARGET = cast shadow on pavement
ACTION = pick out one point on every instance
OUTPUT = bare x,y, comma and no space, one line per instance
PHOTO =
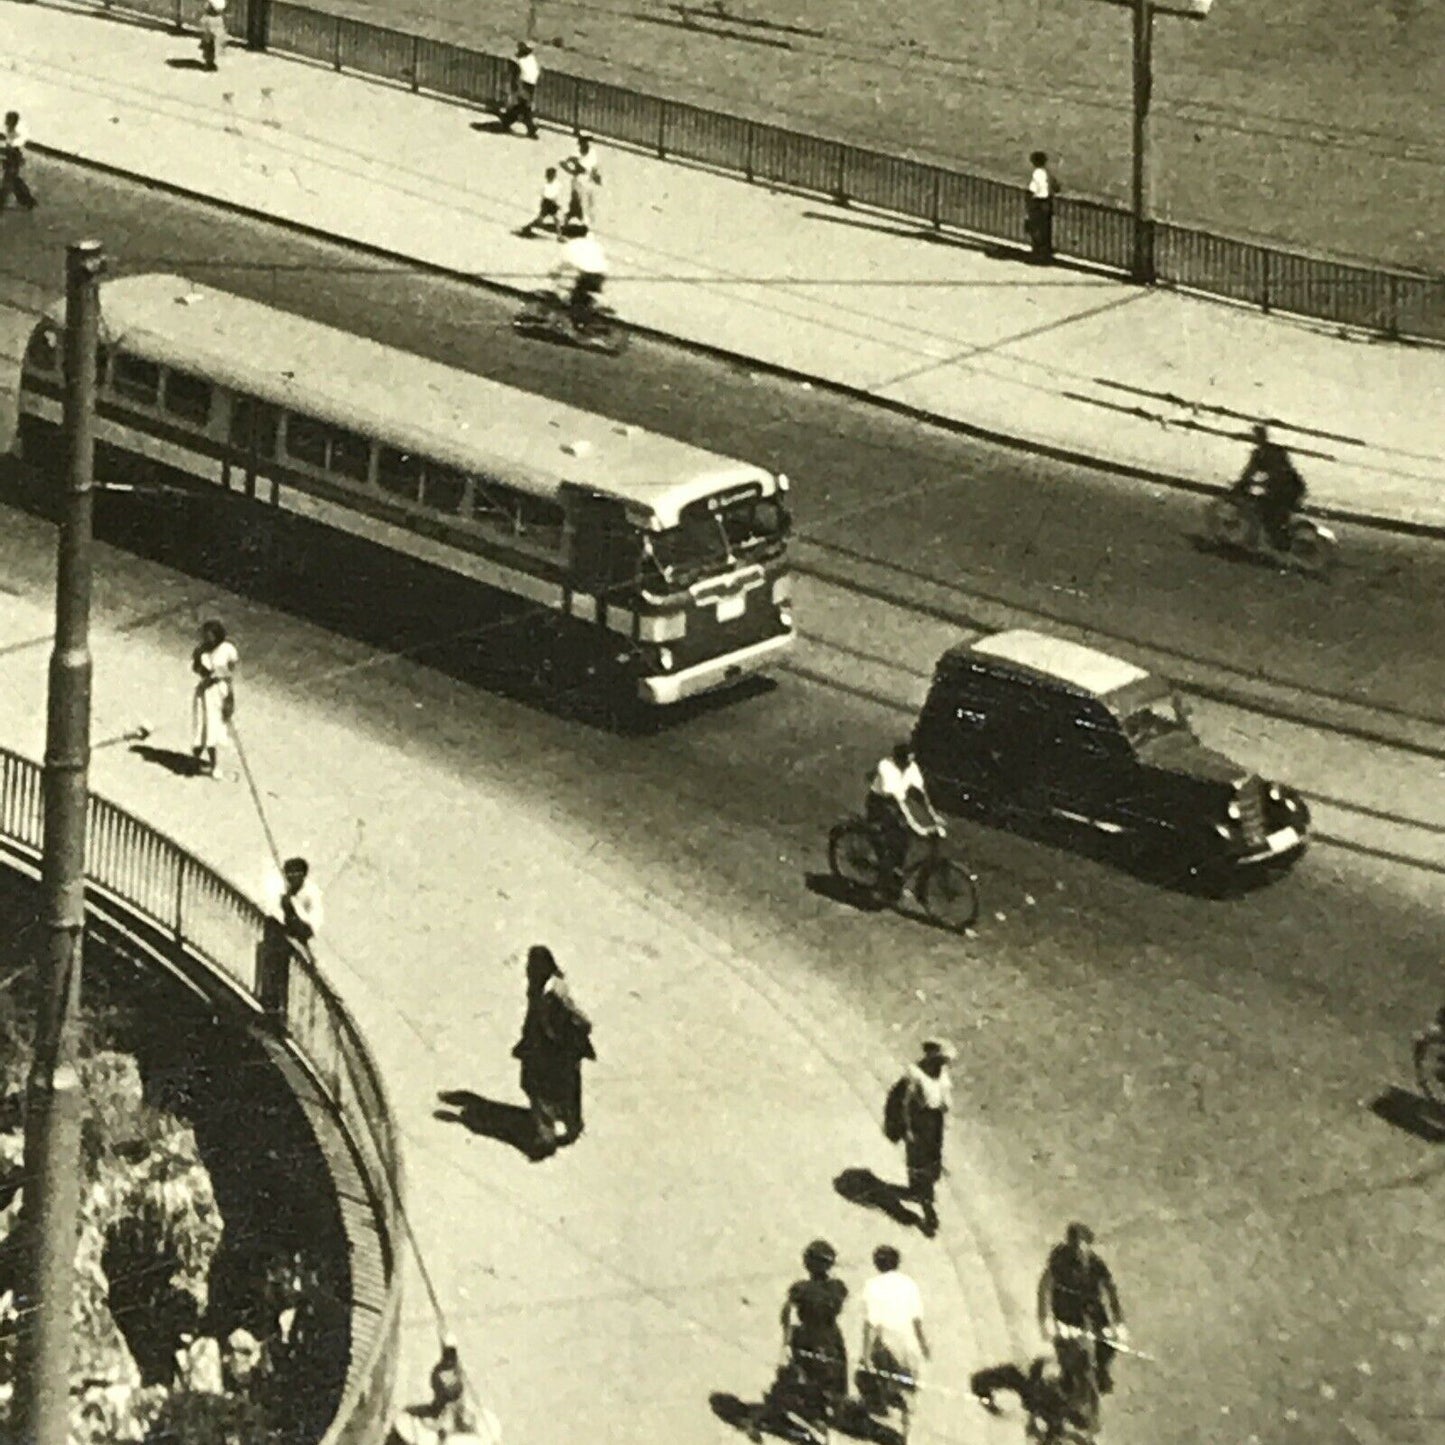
865,1189
183,765
187,62
839,890
1412,1112
509,1124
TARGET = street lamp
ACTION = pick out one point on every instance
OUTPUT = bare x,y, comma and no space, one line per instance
1142,265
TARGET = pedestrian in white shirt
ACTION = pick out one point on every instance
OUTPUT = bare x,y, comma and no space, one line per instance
1039,213
526,72
549,207
582,165
298,902
894,1343
213,32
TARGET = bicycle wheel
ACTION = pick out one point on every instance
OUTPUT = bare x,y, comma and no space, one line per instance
1430,1067
948,893
1311,550
1233,523
853,855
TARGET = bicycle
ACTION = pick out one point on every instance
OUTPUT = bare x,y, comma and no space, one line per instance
946,890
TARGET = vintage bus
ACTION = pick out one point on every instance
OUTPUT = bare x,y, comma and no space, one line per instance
667,562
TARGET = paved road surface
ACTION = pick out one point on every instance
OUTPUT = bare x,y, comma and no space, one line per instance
1194,1077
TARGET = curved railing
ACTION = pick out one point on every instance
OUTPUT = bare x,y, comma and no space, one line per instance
216,925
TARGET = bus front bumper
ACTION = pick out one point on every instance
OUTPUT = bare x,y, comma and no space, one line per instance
664,688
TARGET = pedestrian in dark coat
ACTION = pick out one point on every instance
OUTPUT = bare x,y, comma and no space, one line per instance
12,162
812,1384
556,1038
1079,1302
1039,212
926,1102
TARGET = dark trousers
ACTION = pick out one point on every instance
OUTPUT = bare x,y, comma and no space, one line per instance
1039,223
520,110
12,183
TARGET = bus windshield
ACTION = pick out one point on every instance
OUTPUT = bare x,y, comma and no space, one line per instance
711,539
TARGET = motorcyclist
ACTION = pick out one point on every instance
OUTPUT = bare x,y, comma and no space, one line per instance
1271,476
584,266
899,809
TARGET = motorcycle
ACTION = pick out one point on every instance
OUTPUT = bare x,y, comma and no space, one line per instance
549,317
1237,523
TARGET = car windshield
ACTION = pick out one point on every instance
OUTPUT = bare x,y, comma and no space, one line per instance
1155,719
709,540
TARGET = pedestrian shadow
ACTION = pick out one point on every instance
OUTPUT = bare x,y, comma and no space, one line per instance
865,1189
187,62
183,765
506,1123
1414,1113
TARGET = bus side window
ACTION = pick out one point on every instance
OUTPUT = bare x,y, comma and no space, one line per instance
494,506
253,426
43,353
306,440
350,456
444,489
399,473
188,397
540,521
135,378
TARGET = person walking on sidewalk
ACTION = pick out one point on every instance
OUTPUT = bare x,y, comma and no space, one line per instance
894,1343
549,208
12,163
812,1382
526,72
213,32
213,704
582,165
556,1038
927,1099
1039,209
1079,1304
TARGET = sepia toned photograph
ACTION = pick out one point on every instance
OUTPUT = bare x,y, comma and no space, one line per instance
722,721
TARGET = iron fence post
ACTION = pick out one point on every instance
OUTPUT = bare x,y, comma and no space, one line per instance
336,45
180,927
840,190
415,63
935,205
1392,307
662,130
1264,280
748,152
178,25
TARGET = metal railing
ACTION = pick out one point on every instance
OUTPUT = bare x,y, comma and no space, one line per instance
1379,299
217,925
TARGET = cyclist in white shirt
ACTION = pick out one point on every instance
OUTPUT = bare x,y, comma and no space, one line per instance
584,264
898,807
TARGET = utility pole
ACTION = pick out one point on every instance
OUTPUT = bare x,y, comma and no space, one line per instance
1143,258
53,1100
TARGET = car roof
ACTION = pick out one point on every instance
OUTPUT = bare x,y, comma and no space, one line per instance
1083,669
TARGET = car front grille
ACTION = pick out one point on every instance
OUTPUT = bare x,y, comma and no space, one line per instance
1250,797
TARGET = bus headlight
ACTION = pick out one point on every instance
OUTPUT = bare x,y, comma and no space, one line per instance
1232,811
785,616
664,658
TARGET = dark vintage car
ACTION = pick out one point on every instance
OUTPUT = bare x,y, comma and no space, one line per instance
1030,728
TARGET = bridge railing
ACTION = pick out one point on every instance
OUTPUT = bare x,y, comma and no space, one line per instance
1389,301
220,927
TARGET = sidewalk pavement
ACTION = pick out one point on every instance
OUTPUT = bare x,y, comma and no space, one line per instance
1059,359
609,1292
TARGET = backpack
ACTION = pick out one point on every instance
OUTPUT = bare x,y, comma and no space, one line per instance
895,1111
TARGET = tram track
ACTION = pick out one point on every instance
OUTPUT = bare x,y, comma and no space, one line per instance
1273,734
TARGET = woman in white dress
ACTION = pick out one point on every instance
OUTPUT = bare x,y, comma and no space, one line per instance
214,662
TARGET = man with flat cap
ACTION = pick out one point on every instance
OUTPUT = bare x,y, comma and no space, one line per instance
927,1098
